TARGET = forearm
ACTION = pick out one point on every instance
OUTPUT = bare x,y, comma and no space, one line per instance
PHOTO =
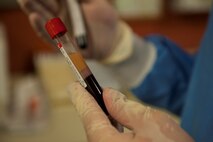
134,69
157,71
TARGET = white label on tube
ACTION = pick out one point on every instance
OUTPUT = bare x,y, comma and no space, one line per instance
81,80
77,18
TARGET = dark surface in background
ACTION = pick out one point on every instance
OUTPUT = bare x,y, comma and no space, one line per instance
22,41
185,30
8,4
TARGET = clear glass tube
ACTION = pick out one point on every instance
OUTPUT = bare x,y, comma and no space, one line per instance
68,48
78,24
74,58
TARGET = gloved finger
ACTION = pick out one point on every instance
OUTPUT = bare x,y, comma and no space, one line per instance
25,5
121,108
51,5
168,127
144,121
96,123
111,1
34,6
86,1
38,22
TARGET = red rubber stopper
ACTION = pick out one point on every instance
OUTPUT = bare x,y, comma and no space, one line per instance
55,27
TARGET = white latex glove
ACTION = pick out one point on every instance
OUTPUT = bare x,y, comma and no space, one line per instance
146,124
101,20
111,41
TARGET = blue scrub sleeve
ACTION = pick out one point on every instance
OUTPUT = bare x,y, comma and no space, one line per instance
166,84
197,117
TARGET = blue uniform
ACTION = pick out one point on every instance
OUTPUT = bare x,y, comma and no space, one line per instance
174,83
168,78
197,117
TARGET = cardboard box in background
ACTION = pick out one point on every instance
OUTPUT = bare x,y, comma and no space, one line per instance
191,6
139,9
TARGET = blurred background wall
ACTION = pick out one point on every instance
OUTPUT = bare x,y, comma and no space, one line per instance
182,23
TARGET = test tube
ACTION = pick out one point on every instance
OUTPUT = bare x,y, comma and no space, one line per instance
78,23
67,46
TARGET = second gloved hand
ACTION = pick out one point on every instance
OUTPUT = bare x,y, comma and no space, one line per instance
101,20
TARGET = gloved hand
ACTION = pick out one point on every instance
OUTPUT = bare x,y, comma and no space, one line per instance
146,124
101,19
